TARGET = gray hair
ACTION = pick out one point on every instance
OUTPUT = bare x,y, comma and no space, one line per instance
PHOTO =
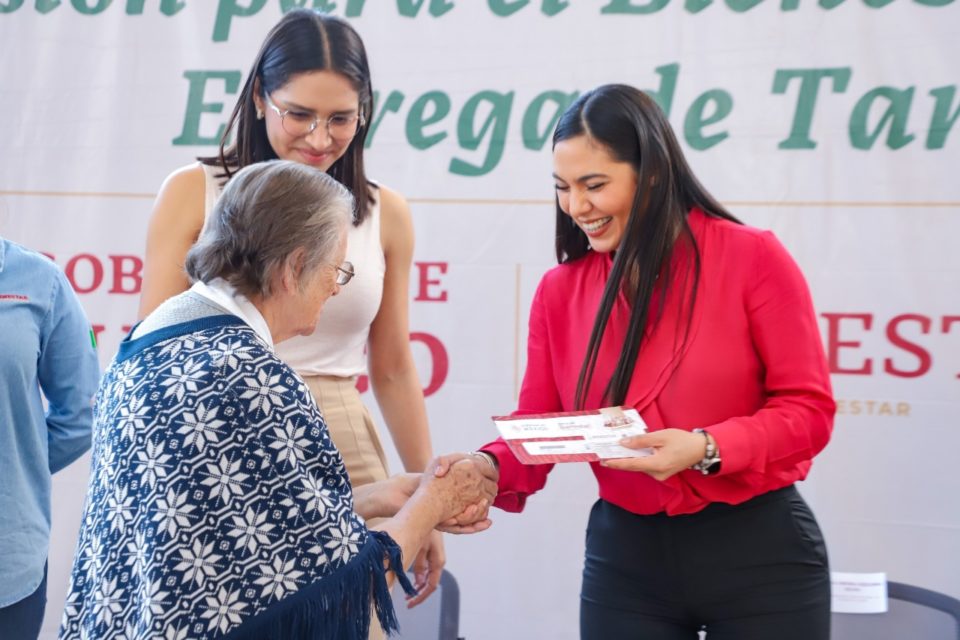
266,213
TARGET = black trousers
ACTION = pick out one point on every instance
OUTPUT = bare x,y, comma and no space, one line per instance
22,620
756,570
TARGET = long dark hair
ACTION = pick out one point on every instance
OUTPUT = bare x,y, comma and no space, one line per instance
304,40
633,129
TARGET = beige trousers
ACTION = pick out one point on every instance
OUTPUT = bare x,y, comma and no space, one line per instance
355,436
351,428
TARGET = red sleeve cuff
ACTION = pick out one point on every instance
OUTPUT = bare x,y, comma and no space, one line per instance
509,497
741,448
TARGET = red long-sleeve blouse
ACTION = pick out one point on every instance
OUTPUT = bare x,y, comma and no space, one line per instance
747,365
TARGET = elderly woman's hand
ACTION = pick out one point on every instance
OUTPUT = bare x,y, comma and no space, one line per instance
464,485
474,518
458,489
384,498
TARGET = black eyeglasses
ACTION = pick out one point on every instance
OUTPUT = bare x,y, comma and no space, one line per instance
345,273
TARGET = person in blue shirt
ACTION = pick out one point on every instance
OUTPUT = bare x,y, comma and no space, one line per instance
46,345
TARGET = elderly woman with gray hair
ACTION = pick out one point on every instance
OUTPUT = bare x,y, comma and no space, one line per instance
218,506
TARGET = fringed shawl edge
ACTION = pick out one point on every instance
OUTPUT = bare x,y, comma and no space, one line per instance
337,606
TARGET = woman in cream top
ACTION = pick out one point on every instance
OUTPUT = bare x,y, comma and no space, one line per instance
308,98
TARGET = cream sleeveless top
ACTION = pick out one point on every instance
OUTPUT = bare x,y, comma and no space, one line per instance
337,346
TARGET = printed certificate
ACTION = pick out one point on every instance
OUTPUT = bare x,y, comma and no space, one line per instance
579,436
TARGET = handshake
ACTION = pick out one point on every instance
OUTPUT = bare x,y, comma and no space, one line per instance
465,485
454,494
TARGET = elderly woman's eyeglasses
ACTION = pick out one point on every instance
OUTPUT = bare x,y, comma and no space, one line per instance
340,126
345,273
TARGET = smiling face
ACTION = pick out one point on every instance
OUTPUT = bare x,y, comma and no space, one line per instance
595,189
323,94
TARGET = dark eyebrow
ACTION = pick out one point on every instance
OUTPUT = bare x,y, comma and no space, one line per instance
296,107
582,179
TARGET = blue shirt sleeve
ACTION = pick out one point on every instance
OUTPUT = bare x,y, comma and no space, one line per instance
68,372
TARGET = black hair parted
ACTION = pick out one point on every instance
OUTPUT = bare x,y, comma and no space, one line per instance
633,129
304,40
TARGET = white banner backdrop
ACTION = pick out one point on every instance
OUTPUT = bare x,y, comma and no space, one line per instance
833,123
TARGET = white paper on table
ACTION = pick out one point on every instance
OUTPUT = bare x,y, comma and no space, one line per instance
858,592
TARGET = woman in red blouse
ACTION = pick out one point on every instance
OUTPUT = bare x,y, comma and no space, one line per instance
664,302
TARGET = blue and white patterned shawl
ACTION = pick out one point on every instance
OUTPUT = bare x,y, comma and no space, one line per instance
218,506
